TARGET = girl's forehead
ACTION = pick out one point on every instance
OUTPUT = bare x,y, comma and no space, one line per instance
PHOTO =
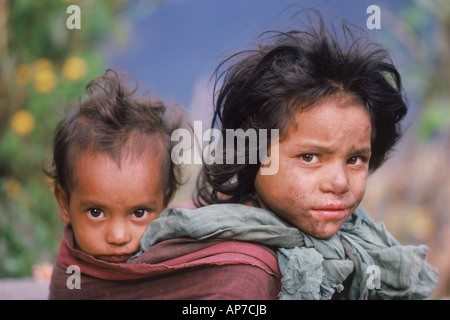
331,119
339,99
321,107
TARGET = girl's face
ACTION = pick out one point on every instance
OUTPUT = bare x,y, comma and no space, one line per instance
323,166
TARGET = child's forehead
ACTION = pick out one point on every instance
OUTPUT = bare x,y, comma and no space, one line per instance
146,149
91,165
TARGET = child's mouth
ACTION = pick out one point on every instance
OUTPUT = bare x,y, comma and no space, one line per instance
115,258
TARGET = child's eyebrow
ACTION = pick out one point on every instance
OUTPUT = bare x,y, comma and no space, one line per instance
149,204
100,205
91,203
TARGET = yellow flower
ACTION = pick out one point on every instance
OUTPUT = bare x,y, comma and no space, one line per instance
24,73
12,187
22,122
42,64
49,183
74,68
44,80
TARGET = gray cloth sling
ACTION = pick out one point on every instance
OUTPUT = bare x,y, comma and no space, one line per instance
379,267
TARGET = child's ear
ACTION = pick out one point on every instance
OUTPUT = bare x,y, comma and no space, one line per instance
167,197
63,203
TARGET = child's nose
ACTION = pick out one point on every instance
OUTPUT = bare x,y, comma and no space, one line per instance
118,233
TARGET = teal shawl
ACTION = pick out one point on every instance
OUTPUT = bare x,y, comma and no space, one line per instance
374,263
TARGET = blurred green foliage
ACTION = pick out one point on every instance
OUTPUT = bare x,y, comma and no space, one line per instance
410,193
43,67
426,32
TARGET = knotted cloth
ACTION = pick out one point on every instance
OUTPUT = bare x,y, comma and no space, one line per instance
311,268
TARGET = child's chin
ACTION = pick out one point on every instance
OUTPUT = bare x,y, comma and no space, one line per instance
114,258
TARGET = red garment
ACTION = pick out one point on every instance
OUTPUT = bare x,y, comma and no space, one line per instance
173,269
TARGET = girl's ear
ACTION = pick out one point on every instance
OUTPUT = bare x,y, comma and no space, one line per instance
63,203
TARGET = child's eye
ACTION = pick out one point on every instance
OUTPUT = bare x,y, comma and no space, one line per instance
95,213
140,213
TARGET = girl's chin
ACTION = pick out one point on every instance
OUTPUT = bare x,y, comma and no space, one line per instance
321,230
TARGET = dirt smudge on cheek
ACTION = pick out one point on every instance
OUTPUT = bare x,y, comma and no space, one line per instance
296,199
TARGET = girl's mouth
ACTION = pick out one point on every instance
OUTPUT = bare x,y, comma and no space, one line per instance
332,211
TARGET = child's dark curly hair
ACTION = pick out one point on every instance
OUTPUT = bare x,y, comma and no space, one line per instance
114,122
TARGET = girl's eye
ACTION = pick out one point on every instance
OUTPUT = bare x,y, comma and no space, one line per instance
352,160
308,157
140,213
357,160
95,213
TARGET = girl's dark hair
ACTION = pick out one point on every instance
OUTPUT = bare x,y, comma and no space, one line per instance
113,122
262,88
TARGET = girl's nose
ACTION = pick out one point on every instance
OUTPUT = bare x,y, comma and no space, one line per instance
335,180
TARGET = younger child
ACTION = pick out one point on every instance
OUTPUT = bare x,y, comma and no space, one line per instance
112,170
337,103
113,176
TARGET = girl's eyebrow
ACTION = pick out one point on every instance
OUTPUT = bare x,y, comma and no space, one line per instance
313,147
363,151
323,149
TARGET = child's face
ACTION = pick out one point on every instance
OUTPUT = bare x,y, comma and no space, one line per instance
323,167
111,207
